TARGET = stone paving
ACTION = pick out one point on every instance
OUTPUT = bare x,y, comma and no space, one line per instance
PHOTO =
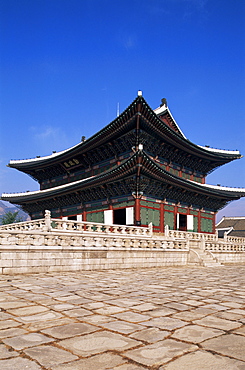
164,318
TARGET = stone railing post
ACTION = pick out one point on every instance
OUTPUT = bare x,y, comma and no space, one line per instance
188,242
225,236
166,230
202,242
47,225
150,228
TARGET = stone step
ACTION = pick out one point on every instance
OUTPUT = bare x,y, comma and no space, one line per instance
206,259
209,261
214,265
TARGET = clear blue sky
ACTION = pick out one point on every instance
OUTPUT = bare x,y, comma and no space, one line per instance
66,64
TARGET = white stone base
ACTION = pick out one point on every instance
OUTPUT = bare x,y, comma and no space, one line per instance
50,259
230,257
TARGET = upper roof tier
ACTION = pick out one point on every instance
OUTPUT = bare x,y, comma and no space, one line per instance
142,123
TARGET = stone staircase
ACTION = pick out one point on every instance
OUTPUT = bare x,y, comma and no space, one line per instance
208,260
201,257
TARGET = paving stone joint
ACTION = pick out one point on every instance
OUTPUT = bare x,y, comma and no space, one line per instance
186,318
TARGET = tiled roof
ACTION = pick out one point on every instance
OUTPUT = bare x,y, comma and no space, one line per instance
221,151
117,124
148,165
164,109
226,188
234,226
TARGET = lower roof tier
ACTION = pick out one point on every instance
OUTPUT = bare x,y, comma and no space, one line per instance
138,175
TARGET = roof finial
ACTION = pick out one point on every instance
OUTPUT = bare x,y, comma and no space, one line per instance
164,102
139,92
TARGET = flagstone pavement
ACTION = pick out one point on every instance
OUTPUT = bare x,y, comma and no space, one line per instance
164,318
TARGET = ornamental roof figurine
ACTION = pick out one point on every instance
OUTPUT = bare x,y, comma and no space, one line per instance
138,169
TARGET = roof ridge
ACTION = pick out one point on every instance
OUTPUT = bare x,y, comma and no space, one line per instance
233,217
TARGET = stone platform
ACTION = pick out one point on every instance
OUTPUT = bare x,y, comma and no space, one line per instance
161,318
53,245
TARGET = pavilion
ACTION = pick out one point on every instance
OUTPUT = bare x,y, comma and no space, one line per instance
138,169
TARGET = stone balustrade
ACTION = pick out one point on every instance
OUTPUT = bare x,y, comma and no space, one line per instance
225,246
26,225
227,251
57,232
191,235
234,239
86,239
84,226
52,224
212,238
16,233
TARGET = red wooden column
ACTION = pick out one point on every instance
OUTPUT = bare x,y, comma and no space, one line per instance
214,217
137,211
162,218
111,208
84,218
199,221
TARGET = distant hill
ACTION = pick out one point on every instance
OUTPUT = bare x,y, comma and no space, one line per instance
6,207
